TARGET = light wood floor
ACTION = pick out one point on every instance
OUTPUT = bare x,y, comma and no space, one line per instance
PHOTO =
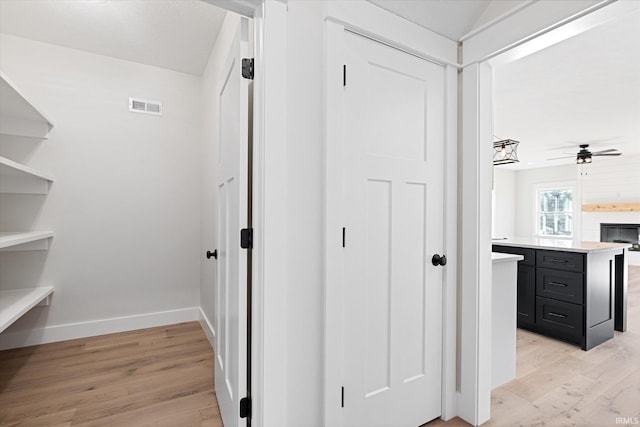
152,377
164,377
559,385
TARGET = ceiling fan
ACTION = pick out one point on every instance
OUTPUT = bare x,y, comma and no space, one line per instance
584,155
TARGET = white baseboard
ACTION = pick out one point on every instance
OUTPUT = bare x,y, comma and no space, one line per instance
208,329
96,327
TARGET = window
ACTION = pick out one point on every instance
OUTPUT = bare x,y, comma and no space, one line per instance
555,212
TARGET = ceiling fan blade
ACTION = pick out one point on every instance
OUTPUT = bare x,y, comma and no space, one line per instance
592,141
563,157
610,150
606,154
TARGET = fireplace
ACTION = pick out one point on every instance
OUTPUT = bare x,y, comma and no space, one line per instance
621,233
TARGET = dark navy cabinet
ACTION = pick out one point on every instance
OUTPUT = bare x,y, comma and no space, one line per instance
565,295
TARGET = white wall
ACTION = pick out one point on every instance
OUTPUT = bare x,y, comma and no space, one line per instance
526,183
504,203
125,205
211,78
305,212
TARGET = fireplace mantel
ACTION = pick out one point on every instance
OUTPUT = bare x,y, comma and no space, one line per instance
611,207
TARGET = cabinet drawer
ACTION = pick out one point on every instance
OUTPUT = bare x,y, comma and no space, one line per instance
560,319
570,261
528,254
562,285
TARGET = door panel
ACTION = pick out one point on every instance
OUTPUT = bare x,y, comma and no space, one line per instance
393,216
386,107
231,286
221,286
413,359
378,309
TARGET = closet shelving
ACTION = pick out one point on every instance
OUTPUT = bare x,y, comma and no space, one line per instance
18,178
20,118
29,240
16,302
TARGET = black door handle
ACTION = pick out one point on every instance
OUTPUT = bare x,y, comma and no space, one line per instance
212,254
439,260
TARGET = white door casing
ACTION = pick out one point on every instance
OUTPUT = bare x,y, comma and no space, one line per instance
393,201
521,32
231,186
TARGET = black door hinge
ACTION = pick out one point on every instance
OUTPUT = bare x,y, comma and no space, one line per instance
342,397
245,407
246,238
247,68
344,75
344,236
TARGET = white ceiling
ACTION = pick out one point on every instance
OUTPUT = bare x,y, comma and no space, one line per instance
172,34
585,90
452,19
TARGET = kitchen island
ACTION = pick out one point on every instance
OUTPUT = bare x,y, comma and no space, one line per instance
569,289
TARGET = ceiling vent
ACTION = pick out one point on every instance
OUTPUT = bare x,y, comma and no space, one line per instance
137,105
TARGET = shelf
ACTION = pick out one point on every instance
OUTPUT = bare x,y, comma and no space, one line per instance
15,303
19,116
21,179
29,241
611,207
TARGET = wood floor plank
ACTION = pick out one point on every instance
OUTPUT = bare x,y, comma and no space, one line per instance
157,376
60,418
503,403
182,411
547,377
571,398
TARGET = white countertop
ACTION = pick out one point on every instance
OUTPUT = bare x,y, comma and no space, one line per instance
497,257
561,244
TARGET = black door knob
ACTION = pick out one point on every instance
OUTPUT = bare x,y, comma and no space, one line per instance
212,254
439,260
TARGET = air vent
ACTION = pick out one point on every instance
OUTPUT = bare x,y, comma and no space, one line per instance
137,105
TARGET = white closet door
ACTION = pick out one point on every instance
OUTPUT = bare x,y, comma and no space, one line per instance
231,185
393,198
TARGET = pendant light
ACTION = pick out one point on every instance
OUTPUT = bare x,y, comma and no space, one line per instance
505,152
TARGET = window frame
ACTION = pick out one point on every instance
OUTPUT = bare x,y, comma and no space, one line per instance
555,186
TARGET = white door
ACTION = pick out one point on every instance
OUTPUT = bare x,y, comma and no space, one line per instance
231,186
393,198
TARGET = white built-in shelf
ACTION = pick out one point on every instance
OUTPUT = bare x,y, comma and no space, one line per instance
27,241
21,179
18,115
16,302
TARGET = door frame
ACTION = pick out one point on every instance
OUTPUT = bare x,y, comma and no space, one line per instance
373,22
269,148
523,31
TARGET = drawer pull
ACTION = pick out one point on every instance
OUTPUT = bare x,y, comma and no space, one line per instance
561,285
562,316
558,261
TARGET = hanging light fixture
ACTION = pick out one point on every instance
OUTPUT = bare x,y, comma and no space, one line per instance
505,151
